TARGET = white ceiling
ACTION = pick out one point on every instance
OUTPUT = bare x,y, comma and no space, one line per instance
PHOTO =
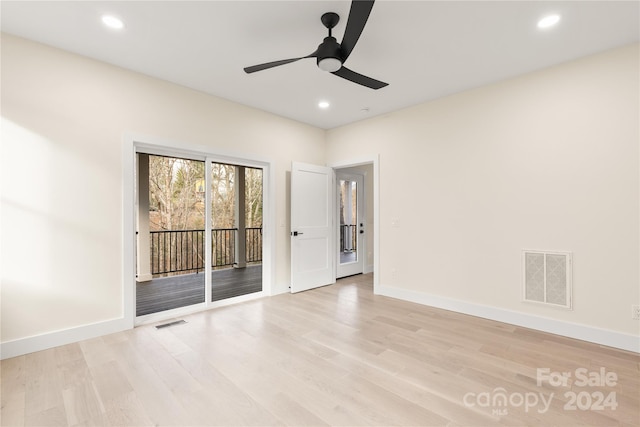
423,49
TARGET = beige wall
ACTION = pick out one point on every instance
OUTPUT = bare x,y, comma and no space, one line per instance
63,121
545,161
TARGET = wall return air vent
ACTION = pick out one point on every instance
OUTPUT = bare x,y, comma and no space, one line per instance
547,277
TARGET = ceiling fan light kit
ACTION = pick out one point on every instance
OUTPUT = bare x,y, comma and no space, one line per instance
330,54
329,64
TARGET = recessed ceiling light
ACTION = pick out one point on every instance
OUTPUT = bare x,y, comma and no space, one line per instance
548,21
323,104
112,22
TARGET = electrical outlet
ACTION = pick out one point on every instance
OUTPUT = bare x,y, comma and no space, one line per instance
635,312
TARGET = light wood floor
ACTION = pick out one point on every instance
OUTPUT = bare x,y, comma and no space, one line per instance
332,356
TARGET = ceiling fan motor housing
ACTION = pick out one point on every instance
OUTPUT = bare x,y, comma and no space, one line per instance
329,48
329,54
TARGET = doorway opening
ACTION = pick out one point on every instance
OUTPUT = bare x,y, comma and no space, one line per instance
351,223
199,232
316,244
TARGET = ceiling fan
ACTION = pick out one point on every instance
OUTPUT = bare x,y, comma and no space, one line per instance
330,54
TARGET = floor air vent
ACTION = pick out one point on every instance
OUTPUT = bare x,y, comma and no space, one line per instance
547,277
166,325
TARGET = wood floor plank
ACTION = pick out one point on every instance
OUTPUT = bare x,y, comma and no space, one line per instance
12,411
110,382
156,397
82,404
12,377
53,416
224,402
43,386
412,393
337,355
127,410
272,374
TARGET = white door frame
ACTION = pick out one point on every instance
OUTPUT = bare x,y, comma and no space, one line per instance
132,144
373,160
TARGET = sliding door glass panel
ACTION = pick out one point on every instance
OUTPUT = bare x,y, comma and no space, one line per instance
236,235
172,274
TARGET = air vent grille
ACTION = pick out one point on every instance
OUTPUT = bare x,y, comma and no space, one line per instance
547,277
166,325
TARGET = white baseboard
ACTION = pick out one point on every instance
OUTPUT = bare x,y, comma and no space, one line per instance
582,332
572,330
66,336
368,269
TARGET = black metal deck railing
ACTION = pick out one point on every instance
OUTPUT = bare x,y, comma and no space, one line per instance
253,241
182,251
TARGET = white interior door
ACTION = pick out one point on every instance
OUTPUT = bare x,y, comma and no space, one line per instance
350,230
312,248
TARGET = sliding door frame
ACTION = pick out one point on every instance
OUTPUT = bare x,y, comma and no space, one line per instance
134,144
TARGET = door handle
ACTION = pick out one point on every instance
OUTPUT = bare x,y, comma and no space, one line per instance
295,233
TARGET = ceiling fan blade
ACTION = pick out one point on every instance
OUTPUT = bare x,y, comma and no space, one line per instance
268,65
358,15
346,73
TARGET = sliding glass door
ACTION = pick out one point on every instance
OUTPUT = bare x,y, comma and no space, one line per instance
199,232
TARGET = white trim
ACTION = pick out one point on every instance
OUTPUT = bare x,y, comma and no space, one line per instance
572,330
375,161
376,223
128,231
269,234
61,337
237,300
167,147
134,143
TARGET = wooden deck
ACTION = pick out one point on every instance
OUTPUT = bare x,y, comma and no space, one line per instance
346,257
187,289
